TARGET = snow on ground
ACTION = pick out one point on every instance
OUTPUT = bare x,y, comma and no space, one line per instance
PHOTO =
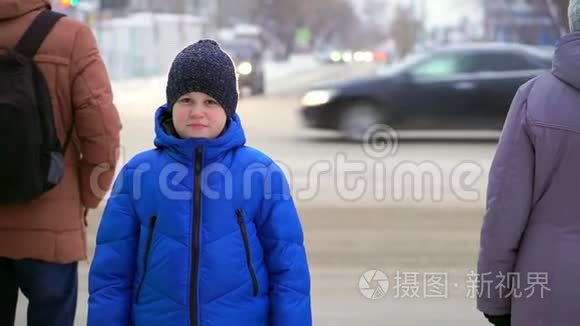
296,64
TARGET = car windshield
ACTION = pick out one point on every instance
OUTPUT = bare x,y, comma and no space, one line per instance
405,64
240,50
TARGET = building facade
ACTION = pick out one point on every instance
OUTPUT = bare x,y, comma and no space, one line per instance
529,22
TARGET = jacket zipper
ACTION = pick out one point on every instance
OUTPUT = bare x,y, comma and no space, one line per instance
195,235
152,222
244,231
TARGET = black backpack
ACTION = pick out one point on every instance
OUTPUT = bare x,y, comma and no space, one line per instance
31,156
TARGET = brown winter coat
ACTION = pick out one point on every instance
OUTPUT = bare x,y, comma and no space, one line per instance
52,227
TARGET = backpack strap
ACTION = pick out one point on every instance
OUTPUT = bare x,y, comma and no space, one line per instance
31,41
37,32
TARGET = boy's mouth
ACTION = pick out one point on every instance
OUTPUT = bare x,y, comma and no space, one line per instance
197,126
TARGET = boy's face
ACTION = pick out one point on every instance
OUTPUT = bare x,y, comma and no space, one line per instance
198,115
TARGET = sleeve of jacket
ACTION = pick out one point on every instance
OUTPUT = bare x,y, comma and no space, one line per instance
96,118
509,203
113,268
282,238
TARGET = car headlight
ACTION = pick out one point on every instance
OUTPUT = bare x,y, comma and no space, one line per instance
347,57
317,97
245,68
335,56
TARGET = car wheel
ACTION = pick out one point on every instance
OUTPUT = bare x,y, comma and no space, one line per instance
356,119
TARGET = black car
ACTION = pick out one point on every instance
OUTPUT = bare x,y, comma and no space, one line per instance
460,87
247,56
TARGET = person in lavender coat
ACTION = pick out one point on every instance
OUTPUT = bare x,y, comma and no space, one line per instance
529,262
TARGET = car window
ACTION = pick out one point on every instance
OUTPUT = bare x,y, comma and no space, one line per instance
442,66
503,62
541,62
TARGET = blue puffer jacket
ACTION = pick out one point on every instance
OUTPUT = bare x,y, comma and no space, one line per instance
200,232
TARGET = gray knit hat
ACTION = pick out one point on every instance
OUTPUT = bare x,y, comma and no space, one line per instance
204,67
574,15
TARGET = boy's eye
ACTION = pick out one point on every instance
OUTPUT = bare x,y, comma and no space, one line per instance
211,102
185,100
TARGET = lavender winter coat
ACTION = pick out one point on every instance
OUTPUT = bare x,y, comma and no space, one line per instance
532,224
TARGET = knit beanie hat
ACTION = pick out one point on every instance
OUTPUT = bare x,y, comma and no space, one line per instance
204,67
574,15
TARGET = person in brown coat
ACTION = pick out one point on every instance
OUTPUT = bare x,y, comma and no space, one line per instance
41,241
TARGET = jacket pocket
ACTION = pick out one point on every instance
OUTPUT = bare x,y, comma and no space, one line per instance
244,231
151,228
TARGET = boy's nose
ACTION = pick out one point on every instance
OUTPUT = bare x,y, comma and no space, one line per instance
196,112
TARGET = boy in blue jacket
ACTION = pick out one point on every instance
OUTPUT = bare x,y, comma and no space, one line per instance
201,230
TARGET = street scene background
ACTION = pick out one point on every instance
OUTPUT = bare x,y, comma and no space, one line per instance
411,207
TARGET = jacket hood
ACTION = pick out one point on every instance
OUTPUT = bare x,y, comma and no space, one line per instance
213,149
567,60
15,8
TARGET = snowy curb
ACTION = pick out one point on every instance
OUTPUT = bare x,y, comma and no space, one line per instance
296,64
